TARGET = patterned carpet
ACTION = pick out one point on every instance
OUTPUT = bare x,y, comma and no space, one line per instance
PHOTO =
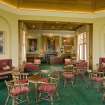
78,94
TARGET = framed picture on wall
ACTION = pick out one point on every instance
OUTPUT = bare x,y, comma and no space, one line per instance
1,42
32,43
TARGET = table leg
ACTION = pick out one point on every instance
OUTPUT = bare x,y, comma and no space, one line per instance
36,92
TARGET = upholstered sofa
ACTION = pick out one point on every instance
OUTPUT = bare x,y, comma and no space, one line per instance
5,68
31,67
56,60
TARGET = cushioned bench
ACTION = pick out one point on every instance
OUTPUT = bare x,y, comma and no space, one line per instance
5,68
30,67
102,64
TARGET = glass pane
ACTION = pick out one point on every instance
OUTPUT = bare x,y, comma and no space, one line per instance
84,35
85,52
81,35
81,52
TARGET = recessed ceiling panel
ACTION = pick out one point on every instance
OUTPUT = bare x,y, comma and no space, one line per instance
49,25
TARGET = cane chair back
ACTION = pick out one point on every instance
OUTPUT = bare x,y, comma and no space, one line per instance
15,74
97,76
69,68
55,77
20,78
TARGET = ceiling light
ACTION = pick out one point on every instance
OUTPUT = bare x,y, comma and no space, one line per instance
33,26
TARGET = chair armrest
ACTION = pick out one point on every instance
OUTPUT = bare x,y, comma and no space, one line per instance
45,83
98,74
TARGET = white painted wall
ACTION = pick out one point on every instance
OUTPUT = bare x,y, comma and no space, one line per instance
9,24
98,40
4,26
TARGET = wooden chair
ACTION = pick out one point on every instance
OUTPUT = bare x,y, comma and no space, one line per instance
68,76
20,78
97,79
82,67
48,90
103,90
15,90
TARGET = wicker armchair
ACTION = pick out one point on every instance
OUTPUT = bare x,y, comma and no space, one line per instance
15,90
48,90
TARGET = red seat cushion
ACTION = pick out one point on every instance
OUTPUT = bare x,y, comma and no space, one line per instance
19,90
82,64
31,67
22,81
37,61
68,75
97,79
68,61
47,88
44,80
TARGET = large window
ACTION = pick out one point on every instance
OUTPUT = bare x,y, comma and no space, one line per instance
82,46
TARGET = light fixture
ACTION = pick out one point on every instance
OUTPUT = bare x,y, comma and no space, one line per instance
64,40
50,34
33,26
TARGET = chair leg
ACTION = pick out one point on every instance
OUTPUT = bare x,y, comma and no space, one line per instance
6,100
14,101
57,94
65,82
103,97
27,97
72,82
51,99
39,96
